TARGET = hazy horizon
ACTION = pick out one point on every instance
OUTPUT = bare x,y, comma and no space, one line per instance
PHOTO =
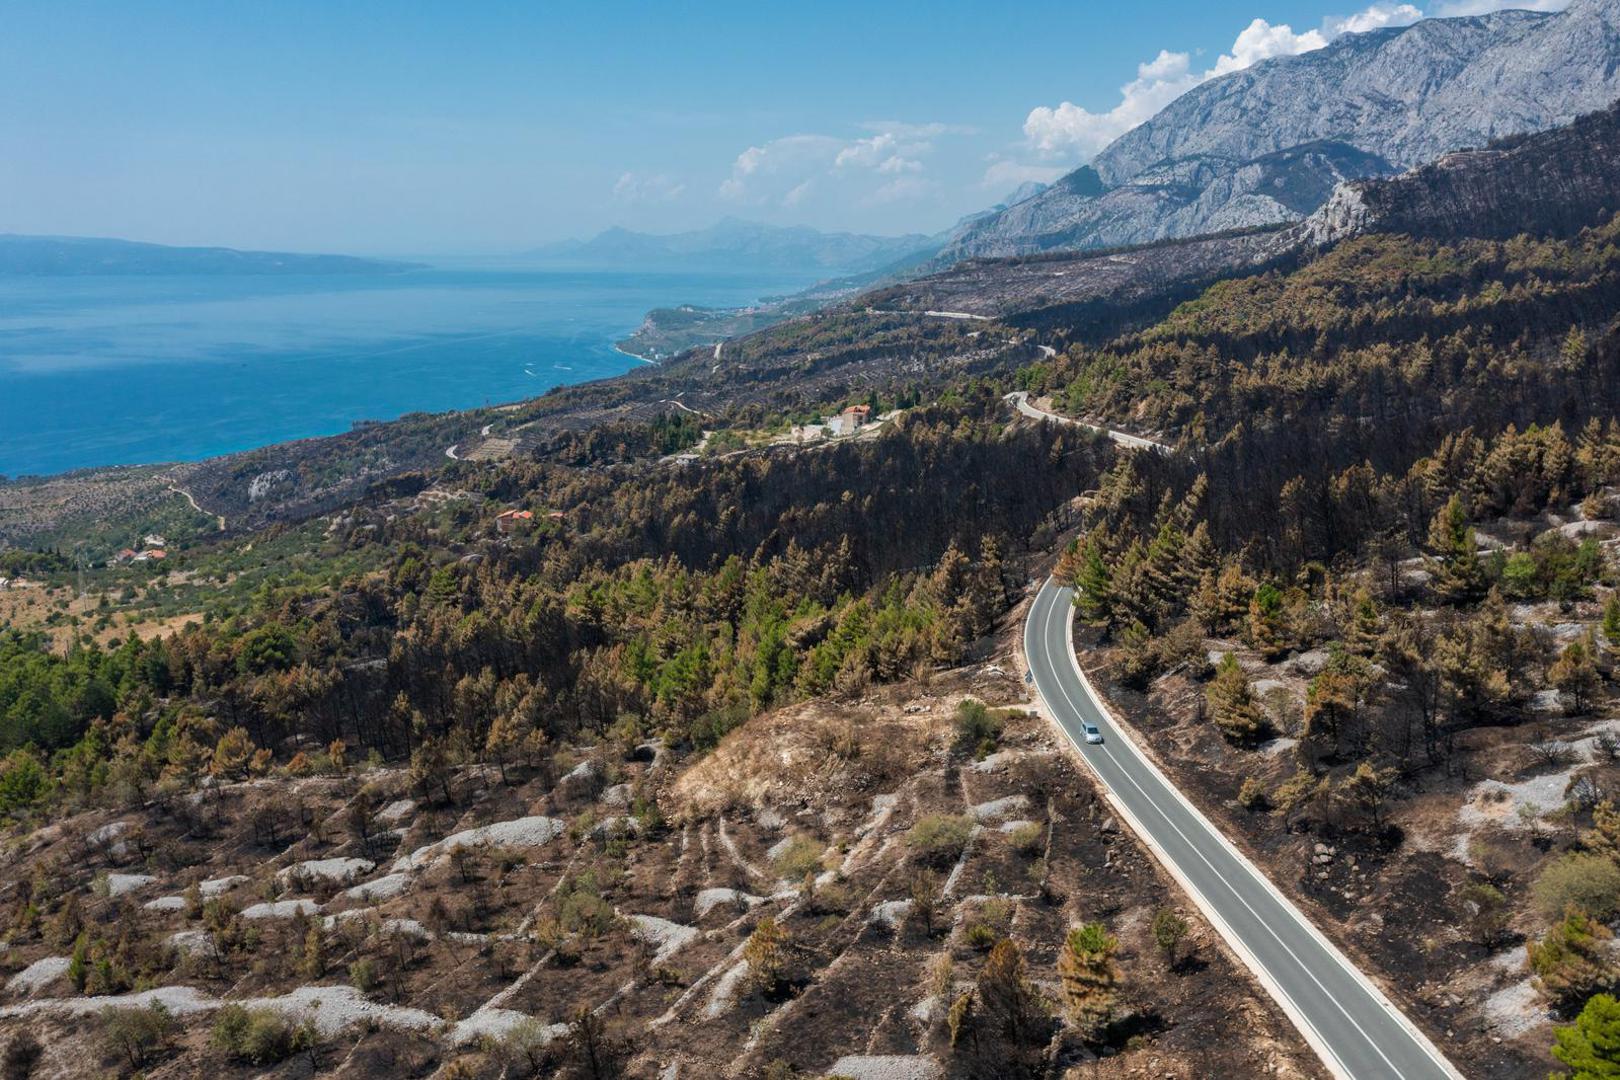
360,130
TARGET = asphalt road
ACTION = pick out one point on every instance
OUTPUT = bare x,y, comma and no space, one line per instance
1353,1027
1020,400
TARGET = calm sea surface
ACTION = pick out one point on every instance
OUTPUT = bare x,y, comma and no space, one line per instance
121,370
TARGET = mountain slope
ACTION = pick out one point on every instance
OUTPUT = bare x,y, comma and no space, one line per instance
50,256
1550,183
1572,174
1267,144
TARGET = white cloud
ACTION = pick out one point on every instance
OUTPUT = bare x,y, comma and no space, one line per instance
898,164
1261,41
1375,17
1449,8
894,150
636,187
901,189
907,130
796,195
767,172
866,152
1005,176
885,166
1070,129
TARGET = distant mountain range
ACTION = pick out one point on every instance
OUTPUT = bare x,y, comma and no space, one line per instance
742,245
49,256
1268,144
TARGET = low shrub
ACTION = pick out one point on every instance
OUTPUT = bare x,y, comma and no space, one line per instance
940,838
1579,880
137,1034
258,1036
977,728
1029,838
801,856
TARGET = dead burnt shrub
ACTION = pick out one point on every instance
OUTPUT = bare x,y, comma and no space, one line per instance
833,898
1547,753
468,863
360,818
196,813
21,1056
1585,790
171,856
1500,858
271,826
593,1049
886,758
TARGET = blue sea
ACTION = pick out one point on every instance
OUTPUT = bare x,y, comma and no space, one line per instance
121,370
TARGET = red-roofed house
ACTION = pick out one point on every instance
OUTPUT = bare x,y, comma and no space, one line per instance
510,521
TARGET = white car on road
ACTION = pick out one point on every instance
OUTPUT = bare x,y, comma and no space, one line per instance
1091,732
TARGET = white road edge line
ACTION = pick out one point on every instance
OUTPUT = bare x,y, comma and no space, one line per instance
1371,988
1220,876
1232,938
1266,883
1257,917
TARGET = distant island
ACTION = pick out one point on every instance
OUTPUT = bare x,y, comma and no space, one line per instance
733,244
66,256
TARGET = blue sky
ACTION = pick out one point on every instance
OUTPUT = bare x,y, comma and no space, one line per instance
491,127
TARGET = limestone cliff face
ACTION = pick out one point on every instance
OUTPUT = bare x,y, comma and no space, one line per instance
1554,182
1268,144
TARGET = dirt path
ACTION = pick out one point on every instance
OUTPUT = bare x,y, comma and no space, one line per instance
178,490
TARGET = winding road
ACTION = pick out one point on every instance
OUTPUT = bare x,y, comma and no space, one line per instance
1354,1028
1020,401
192,499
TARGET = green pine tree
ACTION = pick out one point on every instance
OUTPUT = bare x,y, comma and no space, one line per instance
1458,574
1093,585
1591,1045
1231,702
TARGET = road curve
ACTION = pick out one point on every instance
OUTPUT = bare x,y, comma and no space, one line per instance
1352,1026
1020,401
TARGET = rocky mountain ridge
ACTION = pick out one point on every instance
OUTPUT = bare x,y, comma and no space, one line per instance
1571,170
1572,174
1267,145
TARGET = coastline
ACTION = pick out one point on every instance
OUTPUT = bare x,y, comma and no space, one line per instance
304,367
634,356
